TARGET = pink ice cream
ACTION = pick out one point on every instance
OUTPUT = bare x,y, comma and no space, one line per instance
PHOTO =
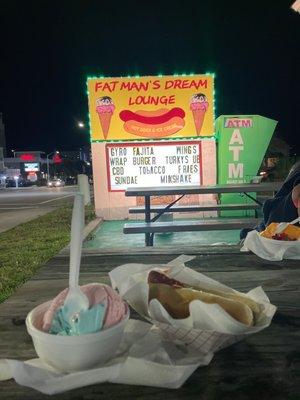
105,109
108,108
97,293
198,106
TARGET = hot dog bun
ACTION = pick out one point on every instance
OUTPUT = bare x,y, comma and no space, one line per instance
159,277
152,113
176,301
238,305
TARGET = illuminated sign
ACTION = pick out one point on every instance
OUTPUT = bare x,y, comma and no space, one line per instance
57,159
238,123
153,164
243,141
151,107
27,157
31,167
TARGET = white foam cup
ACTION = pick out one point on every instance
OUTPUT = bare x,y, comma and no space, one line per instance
73,353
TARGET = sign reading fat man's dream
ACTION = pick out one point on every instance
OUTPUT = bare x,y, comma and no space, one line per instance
153,164
151,107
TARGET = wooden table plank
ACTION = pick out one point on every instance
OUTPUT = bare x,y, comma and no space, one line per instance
224,261
202,189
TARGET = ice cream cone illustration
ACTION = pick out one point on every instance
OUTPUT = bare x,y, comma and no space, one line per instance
105,109
198,106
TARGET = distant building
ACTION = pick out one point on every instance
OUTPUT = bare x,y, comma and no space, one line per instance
70,155
83,154
2,168
28,163
2,147
2,136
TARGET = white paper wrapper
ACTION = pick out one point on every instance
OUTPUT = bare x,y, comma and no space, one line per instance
270,249
208,328
143,358
164,354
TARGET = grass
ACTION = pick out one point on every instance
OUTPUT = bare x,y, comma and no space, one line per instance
28,246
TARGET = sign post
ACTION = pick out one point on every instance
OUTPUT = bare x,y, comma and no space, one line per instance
17,181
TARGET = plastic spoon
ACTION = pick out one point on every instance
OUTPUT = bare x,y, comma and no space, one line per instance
76,300
281,227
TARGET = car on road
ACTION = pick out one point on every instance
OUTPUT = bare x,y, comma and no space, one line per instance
71,180
55,183
9,182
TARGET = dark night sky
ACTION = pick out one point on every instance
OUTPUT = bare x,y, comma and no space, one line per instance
49,47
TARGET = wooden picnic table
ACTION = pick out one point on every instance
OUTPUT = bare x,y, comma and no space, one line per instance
150,227
264,366
202,189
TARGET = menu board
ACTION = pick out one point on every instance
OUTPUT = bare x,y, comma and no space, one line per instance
153,164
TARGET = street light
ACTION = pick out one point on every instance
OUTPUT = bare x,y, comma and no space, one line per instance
80,124
47,158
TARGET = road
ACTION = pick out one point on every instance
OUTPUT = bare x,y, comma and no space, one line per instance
23,204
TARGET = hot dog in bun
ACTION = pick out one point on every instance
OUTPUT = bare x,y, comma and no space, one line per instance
175,297
153,124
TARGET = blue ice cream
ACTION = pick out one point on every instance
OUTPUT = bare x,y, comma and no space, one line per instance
86,321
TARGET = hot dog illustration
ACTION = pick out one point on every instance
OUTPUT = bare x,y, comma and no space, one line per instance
153,124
